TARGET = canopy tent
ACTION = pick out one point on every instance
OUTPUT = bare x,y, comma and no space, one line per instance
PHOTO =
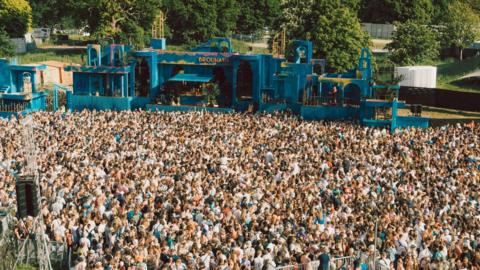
181,77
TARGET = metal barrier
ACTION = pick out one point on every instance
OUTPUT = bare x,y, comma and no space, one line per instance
342,263
13,106
330,101
59,255
335,264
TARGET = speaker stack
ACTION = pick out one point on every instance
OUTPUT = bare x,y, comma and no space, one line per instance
27,197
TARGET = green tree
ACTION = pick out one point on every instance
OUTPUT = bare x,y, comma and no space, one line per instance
337,36
6,47
460,27
332,26
124,21
440,9
191,21
413,43
390,11
15,17
46,13
294,17
227,15
256,15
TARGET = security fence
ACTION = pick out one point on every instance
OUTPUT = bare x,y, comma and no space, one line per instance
335,264
59,255
381,31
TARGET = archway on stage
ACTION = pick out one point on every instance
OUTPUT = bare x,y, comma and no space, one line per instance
244,81
142,78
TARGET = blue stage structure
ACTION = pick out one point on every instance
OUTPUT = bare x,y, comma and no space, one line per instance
18,91
213,77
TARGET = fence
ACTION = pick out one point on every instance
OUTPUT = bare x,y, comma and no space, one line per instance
59,255
19,45
335,264
254,38
383,31
441,98
13,106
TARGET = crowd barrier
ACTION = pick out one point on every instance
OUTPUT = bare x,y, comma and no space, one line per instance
59,255
335,264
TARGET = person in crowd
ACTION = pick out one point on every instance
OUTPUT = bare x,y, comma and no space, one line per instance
144,190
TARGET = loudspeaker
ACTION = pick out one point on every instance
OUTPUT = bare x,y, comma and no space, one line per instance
416,109
413,109
27,199
419,110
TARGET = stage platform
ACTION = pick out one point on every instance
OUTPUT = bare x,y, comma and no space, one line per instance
329,112
379,103
412,121
183,108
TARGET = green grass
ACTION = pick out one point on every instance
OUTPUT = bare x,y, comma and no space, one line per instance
62,55
26,267
450,72
441,113
243,47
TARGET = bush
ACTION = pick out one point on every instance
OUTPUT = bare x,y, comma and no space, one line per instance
413,43
15,17
6,47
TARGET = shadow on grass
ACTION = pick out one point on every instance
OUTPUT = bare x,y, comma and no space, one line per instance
58,51
459,68
472,84
450,111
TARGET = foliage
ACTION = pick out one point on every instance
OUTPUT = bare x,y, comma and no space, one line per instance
332,26
294,18
15,17
120,20
228,12
212,91
337,35
46,13
460,27
191,21
413,43
6,47
390,11
256,15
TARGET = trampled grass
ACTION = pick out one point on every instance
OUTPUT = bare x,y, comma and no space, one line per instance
65,55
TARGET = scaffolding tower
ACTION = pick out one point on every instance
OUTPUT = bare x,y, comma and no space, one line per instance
279,43
158,27
39,241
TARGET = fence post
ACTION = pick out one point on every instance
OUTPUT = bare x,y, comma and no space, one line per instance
55,98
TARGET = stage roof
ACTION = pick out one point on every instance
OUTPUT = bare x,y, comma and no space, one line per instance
181,77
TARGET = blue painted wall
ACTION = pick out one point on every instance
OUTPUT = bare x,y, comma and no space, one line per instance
5,79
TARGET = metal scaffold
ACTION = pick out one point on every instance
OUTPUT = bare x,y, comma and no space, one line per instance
39,239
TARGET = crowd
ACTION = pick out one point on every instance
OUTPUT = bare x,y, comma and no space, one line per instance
142,190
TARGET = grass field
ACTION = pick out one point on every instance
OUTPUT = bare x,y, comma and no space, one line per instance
441,113
450,72
67,55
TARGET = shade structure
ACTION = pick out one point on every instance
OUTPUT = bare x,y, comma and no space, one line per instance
181,77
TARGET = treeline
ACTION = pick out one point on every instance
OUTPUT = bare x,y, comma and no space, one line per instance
426,28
